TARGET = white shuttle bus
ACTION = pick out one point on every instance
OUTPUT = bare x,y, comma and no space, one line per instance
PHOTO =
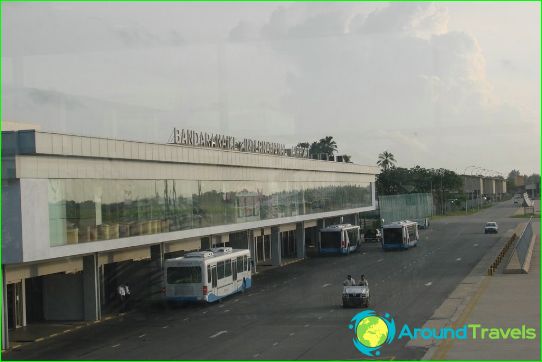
207,276
400,235
339,239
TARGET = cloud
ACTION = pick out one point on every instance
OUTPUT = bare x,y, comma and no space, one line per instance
418,19
50,28
243,31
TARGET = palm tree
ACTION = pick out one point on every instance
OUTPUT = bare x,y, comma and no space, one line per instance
386,160
328,145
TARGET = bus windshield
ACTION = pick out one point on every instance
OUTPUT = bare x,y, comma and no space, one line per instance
331,239
393,236
183,274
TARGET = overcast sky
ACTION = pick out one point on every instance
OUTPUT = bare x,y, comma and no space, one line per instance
437,84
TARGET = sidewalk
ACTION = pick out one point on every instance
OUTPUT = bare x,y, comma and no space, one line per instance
38,332
503,301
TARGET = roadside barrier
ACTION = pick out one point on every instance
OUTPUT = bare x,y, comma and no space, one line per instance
498,259
519,261
524,241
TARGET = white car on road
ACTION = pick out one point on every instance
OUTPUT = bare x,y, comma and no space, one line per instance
491,227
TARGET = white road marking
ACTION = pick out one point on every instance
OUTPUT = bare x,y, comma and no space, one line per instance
379,260
331,310
256,355
428,284
226,311
221,306
235,301
475,245
143,335
320,317
204,312
115,346
363,253
292,334
326,285
186,319
275,344
458,259
218,334
307,325
164,327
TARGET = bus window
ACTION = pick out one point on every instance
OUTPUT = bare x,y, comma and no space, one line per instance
245,263
330,239
234,269
183,275
227,272
353,236
240,264
412,232
208,274
393,236
220,269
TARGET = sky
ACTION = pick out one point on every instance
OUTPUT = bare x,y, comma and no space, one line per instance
437,84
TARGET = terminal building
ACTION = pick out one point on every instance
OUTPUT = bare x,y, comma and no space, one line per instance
81,215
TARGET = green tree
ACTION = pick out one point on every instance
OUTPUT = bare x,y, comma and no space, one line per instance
386,160
512,175
328,145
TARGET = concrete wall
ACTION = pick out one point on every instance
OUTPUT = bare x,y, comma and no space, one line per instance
472,184
63,297
12,247
80,146
489,186
35,218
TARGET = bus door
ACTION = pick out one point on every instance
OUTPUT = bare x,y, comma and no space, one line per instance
234,272
214,279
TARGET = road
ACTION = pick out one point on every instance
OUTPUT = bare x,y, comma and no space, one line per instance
294,312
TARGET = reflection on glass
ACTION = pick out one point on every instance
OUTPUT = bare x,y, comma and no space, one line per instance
88,210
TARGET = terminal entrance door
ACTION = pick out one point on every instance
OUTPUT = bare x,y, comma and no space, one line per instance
15,305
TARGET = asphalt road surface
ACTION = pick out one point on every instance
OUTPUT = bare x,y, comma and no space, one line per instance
295,312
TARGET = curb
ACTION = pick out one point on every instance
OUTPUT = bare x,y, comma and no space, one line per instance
66,331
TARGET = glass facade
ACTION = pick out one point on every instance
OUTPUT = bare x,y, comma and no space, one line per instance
83,210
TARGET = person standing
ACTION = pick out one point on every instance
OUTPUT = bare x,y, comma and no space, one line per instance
122,297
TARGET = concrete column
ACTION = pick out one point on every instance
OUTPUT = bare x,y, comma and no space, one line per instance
156,271
276,257
300,239
252,247
321,223
205,243
356,219
157,255
91,290
5,336
23,300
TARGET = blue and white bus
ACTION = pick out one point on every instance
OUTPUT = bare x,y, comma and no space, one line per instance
339,239
400,235
207,276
